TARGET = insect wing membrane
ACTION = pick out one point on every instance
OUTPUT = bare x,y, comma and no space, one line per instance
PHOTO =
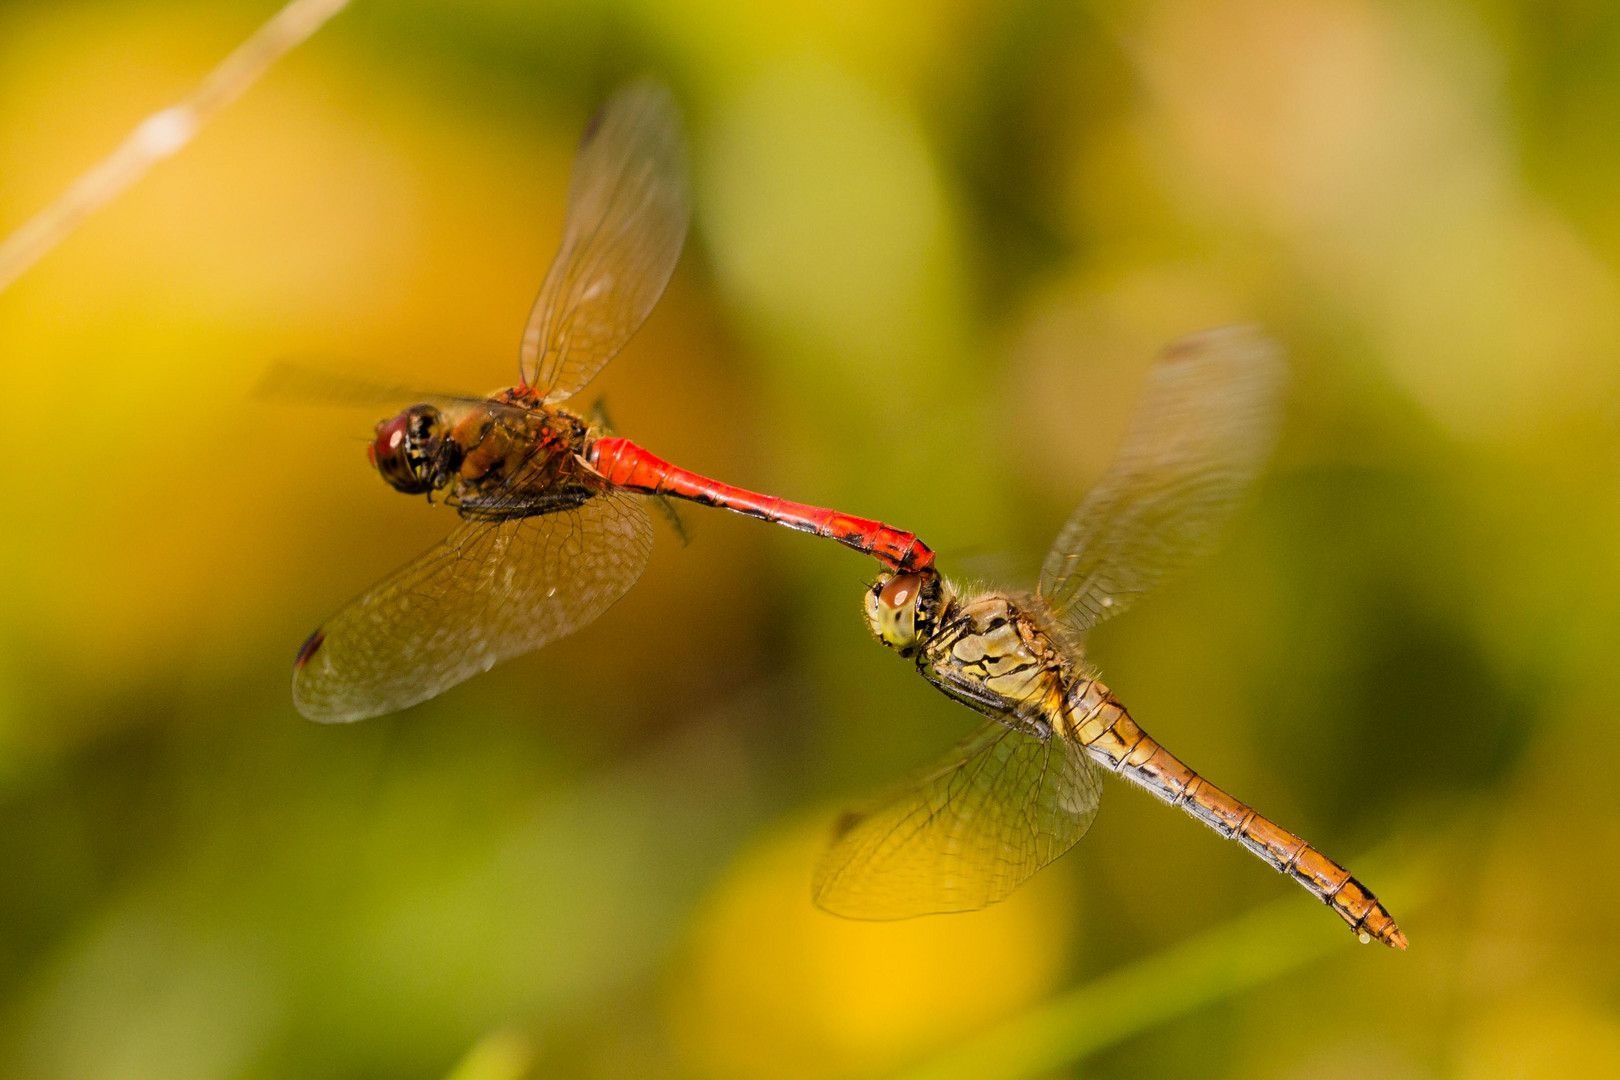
286,381
491,591
964,834
628,207
1202,430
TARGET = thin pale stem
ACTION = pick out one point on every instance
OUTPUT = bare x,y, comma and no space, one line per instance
162,134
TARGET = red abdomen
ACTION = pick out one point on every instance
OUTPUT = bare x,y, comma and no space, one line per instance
628,466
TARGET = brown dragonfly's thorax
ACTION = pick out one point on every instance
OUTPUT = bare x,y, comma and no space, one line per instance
991,654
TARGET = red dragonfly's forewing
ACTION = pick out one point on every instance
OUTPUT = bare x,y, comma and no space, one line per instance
491,591
964,834
289,381
1202,430
628,207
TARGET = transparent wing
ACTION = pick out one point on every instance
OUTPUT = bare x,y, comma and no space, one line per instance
491,591
964,834
1202,430
287,381
628,205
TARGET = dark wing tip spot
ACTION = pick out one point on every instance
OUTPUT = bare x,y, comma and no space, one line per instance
592,126
308,649
846,822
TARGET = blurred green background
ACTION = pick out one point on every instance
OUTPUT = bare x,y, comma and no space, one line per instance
935,249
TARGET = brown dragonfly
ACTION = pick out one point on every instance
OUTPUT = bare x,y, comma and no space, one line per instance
1024,788
554,530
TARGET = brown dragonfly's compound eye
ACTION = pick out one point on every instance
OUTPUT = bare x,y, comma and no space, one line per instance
891,611
901,591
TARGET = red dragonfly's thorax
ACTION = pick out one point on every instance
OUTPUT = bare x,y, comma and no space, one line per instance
512,447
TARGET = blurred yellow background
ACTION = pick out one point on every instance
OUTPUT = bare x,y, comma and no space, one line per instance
935,250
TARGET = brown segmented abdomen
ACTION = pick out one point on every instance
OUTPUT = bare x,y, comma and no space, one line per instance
1096,719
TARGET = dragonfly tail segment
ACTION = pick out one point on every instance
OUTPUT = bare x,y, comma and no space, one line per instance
1112,738
626,465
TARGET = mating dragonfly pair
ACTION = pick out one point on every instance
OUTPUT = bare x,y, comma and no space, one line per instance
553,531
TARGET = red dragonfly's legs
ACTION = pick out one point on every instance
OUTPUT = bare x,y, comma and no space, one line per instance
1112,738
628,466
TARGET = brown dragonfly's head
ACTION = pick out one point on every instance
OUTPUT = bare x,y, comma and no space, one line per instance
901,609
412,450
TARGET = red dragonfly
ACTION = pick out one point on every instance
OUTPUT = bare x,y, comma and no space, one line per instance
554,529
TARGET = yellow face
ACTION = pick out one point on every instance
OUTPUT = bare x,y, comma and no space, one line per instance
891,610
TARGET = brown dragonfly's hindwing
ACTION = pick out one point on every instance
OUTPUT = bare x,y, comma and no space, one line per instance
1095,718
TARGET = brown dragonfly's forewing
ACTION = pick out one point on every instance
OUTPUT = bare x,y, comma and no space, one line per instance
1202,430
965,833
494,589
628,208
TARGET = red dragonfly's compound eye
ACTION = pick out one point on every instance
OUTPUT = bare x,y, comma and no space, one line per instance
390,439
404,447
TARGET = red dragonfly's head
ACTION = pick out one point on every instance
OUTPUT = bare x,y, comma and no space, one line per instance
409,450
